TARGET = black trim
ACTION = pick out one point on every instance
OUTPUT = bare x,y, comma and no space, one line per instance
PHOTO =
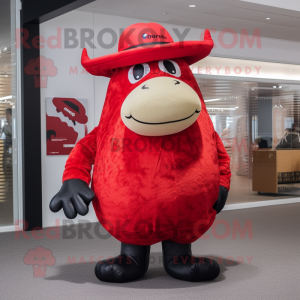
72,105
147,44
39,11
33,13
31,119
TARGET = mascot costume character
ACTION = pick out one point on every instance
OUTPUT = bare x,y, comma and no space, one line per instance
161,172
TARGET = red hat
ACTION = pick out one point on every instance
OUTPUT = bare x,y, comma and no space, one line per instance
71,108
144,42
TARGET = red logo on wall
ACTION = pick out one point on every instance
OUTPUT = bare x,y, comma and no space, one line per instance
41,68
66,124
72,109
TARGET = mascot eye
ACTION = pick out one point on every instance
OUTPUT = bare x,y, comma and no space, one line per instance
137,72
170,66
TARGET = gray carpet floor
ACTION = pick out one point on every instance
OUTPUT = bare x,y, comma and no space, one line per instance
263,266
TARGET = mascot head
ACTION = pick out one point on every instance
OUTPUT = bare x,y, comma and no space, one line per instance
152,87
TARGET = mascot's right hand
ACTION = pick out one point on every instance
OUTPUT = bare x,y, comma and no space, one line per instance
74,197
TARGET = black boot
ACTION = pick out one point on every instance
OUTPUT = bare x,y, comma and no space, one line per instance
131,264
180,264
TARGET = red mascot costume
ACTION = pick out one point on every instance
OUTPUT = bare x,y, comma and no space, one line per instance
161,172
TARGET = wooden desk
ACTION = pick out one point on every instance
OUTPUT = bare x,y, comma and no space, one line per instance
268,163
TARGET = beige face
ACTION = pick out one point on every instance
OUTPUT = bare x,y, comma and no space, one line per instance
160,106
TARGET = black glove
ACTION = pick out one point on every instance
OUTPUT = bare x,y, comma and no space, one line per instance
74,197
220,203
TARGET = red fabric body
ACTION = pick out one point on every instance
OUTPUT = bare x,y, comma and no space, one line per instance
149,189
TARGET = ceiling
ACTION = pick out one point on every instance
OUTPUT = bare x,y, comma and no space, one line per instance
287,4
218,14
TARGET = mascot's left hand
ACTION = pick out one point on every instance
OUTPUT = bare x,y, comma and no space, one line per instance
220,203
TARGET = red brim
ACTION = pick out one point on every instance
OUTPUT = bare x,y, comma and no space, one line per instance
191,51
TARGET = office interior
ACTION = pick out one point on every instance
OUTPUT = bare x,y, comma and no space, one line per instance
250,117
257,118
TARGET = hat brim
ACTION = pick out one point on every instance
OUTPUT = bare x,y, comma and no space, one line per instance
191,51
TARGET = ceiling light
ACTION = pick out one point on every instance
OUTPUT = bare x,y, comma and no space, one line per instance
7,97
268,18
280,86
5,49
211,100
224,108
264,88
192,5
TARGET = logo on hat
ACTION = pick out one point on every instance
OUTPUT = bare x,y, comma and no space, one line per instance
71,113
153,36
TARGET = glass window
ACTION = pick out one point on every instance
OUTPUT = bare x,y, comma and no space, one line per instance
259,124
8,145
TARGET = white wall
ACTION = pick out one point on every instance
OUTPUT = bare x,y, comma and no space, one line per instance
63,85
94,89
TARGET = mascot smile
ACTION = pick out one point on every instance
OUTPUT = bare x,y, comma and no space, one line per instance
161,172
